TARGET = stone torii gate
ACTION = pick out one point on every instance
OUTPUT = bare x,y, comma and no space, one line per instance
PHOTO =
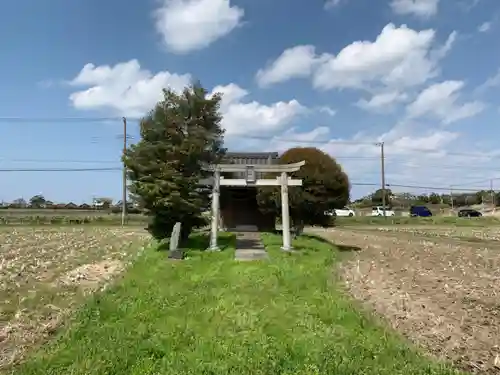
251,180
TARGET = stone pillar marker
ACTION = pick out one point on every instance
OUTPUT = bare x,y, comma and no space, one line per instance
285,212
174,251
214,230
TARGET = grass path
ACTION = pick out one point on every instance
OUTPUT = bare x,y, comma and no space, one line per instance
212,315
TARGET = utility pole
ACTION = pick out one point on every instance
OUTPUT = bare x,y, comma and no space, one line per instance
451,197
382,171
124,181
492,195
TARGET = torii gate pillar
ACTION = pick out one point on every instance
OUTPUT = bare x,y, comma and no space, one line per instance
215,212
285,213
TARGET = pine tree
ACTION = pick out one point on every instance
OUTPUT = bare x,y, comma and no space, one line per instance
180,136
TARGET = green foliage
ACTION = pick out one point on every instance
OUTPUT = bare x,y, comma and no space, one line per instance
460,199
180,135
37,201
325,187
378,195
434,198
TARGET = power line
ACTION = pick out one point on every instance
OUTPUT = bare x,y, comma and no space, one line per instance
477,155
477,182
428,187
278,139
364,184
353,158
374,143
389,163
62,119
338,142
268,138
121,169
59,169
438,166
360,158
411,186
59,161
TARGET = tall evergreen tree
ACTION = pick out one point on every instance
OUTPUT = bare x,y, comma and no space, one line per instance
178,137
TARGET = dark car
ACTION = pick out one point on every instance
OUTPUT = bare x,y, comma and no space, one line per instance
420,211
469,212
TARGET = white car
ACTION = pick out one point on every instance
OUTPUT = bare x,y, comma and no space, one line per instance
346,211
379,211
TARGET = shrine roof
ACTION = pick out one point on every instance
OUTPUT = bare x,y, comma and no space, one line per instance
251,157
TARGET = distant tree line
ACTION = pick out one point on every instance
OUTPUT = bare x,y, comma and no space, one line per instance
39,202
406,199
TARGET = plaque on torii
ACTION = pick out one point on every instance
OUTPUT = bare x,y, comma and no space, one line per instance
250,174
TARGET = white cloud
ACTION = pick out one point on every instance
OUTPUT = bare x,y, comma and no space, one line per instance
280,144
327,110
252,117
46,83
442,51
468,5
188,25
484,27
294,62
127,89
419,8
400,141
493,81
440,101
400,57
124,88
329,4
382,102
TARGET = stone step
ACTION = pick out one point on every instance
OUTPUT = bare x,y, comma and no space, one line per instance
250,254
245,228
249,246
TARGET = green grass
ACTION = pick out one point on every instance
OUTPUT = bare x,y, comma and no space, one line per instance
399,220
212,315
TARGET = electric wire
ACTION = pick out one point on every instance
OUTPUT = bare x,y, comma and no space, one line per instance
375,143
59,169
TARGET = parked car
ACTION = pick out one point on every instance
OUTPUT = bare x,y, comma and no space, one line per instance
346,211
331,213
469,212
379,211
420,211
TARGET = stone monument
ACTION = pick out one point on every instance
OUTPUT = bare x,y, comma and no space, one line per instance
174,251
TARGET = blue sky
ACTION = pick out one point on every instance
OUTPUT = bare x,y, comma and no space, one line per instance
423,76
